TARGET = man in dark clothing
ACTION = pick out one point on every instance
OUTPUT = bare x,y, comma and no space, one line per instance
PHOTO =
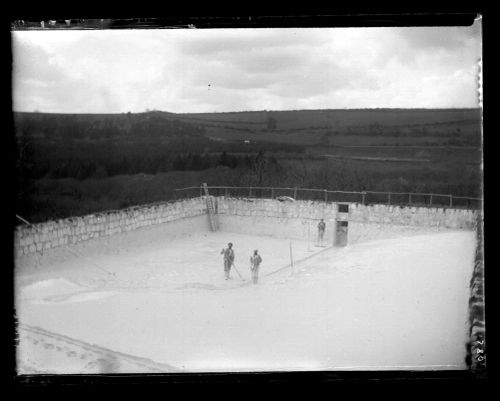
255,261
228,259
321,230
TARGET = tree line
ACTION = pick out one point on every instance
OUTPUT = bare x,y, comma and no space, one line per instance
102,126
38,159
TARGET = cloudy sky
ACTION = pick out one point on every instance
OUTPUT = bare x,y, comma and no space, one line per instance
216,70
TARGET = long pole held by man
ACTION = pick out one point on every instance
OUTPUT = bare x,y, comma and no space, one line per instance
238,272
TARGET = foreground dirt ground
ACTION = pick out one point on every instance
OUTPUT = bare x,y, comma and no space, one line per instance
146,303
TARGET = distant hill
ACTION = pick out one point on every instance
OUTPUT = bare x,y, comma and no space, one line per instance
297,119
103,126
166,124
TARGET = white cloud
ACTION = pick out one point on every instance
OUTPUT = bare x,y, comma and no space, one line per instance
247,69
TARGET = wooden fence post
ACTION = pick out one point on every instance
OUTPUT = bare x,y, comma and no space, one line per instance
295,193
430,203
409,198
389,198
326,195
363,194
225,191
250,192
272,193
451,201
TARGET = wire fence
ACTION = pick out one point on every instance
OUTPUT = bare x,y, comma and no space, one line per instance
324,195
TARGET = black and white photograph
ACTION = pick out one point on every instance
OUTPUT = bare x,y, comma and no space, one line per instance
267,199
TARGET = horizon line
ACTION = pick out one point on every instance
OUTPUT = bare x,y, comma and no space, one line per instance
252,111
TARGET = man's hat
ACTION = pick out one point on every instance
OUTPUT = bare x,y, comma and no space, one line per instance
230,244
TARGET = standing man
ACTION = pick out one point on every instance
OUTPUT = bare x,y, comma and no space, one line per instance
321,231
255,261
228,259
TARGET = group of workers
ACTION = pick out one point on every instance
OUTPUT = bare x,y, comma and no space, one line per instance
256,259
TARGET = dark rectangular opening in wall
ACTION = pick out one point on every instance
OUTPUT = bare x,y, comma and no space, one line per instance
341,233
343,208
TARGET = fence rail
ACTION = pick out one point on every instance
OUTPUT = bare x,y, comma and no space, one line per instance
314,194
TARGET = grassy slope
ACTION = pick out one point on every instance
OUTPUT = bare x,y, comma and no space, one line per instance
342,118
351,134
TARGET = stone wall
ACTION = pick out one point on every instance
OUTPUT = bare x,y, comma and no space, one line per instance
476,347
294,220
298,220
414,216
39,237
251,216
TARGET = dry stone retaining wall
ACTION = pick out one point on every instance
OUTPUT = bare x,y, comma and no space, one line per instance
414,216
39,237
294,220
299,219
250,216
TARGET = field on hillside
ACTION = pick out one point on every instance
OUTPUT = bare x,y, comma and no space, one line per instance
341,118
73,164
345,127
